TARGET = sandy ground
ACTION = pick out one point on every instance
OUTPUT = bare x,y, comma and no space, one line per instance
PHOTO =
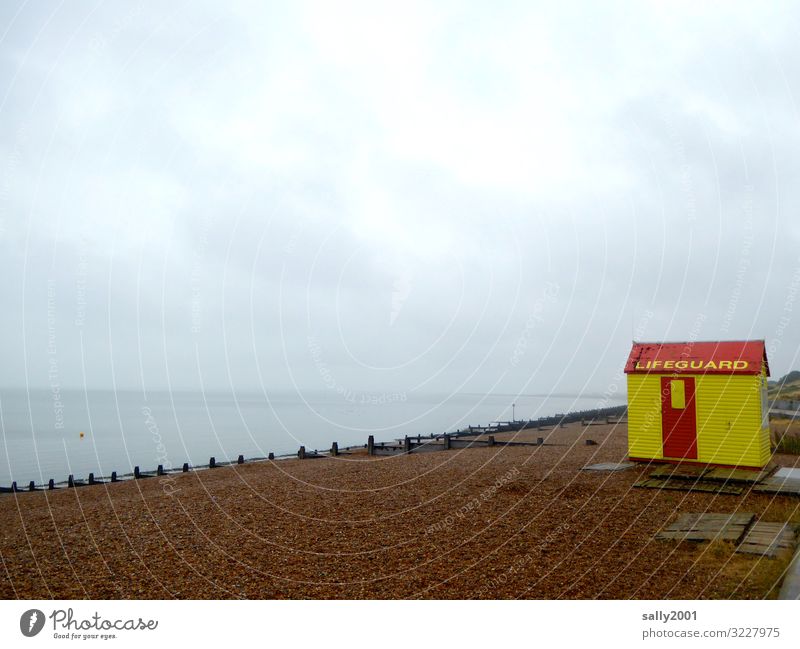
521,522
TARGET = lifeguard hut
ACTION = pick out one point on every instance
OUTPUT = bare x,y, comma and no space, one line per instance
701,402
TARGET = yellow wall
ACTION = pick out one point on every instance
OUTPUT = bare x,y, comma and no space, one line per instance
644,416
729,419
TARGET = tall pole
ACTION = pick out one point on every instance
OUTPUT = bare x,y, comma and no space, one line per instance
513,417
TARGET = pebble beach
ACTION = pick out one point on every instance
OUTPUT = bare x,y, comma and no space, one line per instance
488,522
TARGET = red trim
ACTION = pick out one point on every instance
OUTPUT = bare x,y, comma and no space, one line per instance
722,357
708,464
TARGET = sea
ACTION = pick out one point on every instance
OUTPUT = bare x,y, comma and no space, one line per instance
46,434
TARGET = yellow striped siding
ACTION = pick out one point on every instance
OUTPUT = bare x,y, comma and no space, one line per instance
728,419
644,416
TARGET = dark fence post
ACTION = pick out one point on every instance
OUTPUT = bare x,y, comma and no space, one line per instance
407,445
271,456
32,486
491,440
70,481
334,449
160,470
51,484
212,463
240,459
136,473
91,478
446,439
371,445
301,453
113,476
186,467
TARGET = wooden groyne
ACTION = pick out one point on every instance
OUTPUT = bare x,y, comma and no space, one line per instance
470,437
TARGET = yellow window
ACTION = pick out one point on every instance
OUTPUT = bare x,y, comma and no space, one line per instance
677,394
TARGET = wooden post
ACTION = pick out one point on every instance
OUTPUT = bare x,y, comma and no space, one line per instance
371,445
91,478
334,449
32,486
212,463
136,473
186,467
446,439
271,456
302,453
70,481
240,459
491,440
407,445
113,476
160,470
51,484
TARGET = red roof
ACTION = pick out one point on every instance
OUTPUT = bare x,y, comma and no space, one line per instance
722,357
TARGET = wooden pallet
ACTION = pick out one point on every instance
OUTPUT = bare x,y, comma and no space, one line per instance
782,486
680,471
725,474
682,484
609,466
707,527
767,539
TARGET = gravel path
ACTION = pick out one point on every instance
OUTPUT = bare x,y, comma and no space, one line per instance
485,522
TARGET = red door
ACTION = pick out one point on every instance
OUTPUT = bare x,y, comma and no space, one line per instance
678,417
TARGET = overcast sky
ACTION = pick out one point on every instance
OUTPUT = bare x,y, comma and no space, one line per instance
431,197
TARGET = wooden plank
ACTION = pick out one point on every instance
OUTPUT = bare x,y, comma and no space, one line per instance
767,539
725,474
779,486
680,471
686,485
609,466
691,526
721,534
